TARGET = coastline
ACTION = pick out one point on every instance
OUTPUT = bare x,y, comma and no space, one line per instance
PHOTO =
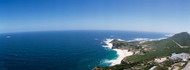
120,52
152,54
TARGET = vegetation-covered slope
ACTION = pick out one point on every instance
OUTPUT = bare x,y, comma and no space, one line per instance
157,48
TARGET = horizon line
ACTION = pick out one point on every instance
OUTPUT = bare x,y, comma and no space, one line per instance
87,30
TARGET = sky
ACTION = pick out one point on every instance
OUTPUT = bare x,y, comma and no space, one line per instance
132,15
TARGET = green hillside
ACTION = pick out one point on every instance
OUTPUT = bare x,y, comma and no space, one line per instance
159,48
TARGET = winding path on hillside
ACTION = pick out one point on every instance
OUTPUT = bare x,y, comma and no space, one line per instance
179,44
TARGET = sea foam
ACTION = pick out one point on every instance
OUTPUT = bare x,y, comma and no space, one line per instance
120,52
142,40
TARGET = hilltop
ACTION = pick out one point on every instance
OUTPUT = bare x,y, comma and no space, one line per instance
145,53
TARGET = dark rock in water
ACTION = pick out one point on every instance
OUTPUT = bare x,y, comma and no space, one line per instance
97,68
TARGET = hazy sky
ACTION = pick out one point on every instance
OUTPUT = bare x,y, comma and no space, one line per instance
137,15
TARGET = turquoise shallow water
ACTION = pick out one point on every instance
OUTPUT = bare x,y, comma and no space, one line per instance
61,50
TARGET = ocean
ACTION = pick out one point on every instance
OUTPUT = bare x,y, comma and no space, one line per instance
63,50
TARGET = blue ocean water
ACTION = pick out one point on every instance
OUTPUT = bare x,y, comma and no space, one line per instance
61,50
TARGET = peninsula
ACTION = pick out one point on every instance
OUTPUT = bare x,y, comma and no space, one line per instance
172,53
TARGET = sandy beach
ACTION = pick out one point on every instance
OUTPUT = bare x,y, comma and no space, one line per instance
120,52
